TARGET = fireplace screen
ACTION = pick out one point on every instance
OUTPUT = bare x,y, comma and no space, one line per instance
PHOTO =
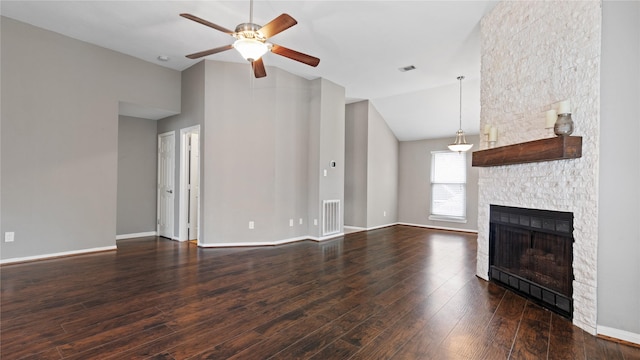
531,252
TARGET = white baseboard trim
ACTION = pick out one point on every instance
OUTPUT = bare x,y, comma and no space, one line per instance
381,226
135,235
355,228
438,227
256,243
618,334
271,243
323,238
55,255
358,228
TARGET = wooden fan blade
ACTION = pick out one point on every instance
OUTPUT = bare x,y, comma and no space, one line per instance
258,68
210,51
277,25
207,23
295,55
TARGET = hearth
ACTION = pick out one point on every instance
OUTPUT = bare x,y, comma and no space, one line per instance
531,252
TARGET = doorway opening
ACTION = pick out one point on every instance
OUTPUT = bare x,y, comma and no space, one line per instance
189,216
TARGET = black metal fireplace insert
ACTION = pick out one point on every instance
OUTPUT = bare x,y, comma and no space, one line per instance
531,253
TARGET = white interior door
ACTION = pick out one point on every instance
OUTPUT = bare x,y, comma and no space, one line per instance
166,179
194,184
189,186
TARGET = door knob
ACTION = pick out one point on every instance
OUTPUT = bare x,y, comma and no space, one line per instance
170,191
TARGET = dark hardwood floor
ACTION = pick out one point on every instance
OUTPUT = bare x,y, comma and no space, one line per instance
399,292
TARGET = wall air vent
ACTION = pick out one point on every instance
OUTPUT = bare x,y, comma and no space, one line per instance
331,217
407,68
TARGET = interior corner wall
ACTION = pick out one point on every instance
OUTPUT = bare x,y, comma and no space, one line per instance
137,172
326,145
414,179
618,225
382,172
257,165
60,137
533,58
371,174
192,93
313,159
355,174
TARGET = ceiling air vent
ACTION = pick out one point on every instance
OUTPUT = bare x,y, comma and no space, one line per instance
407,68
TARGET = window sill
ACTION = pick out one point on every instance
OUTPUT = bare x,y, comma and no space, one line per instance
455,219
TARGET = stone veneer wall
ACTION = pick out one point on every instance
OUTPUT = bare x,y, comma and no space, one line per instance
535,54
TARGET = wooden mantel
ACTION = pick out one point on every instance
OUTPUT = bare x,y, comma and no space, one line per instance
556,148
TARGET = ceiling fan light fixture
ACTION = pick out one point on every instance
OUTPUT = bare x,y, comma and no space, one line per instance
251,49
251,41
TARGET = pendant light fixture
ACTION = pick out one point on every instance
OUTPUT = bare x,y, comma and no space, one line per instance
460,144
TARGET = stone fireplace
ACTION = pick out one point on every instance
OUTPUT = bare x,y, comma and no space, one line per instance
532,58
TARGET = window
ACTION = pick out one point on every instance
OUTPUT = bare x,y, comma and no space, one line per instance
448,186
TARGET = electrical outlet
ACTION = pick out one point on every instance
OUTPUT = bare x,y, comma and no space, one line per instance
384,213
290,222
300,221
9,236
251,225
315,222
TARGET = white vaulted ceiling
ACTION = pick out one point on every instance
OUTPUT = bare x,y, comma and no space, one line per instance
361,44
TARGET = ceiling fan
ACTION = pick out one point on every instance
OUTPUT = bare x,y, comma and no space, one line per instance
251,41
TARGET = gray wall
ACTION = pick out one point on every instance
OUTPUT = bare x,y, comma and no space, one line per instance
382,172
414,189
355,178
192,114
137,173
328,108
618,227
371,179
240,140
60,137
290,146
259,141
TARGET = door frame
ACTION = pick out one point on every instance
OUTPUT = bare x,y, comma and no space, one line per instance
173,176
183,214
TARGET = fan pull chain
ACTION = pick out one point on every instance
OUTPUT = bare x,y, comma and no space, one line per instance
251,84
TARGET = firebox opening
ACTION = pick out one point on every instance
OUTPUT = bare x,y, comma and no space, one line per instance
531,253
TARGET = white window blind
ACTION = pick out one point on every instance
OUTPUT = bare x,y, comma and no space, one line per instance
448,185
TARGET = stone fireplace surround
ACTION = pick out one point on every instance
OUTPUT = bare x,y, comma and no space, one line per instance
532,58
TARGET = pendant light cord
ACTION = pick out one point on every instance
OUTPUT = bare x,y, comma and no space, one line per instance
460,78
